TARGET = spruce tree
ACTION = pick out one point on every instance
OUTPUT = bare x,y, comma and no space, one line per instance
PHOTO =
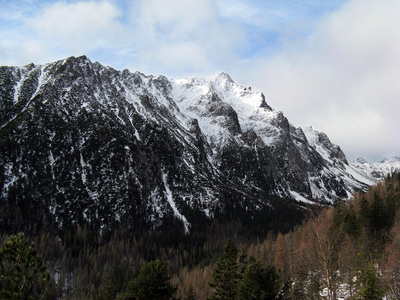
226,275
371,290
108,288
151,283
22,272
260,282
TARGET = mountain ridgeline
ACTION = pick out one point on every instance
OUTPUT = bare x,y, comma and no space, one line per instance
84,144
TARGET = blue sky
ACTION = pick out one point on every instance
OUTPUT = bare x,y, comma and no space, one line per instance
332,64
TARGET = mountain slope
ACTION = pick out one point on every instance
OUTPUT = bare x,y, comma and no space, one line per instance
84,143
377,171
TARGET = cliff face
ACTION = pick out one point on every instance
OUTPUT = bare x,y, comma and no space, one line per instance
81,143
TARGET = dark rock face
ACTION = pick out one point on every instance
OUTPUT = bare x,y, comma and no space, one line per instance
220,109
81,143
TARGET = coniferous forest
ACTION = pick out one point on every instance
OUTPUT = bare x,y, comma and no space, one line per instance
347,251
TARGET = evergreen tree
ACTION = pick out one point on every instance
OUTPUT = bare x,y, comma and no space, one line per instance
226,275
260,282
364,212
151,283
371,290
350,223
108,288
190,294
22,272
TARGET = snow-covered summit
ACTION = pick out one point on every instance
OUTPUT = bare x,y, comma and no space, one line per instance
222,107
378,171
98,143
392,159
228,111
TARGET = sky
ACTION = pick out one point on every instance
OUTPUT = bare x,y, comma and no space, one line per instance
333,64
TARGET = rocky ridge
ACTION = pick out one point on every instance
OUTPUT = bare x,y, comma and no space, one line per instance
379,170
85,143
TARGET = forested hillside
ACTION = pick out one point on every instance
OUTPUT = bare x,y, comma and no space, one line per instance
344,252
348,251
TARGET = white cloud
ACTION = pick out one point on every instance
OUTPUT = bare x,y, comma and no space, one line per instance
177,37
342,79
239,10
78,26
60,29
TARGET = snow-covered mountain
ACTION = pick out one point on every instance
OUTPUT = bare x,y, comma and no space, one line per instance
84,143
377,171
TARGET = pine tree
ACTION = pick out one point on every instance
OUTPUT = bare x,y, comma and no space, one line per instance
151,283
226,275
22,272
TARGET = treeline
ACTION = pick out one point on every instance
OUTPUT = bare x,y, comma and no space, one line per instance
86,263
350,251
84,266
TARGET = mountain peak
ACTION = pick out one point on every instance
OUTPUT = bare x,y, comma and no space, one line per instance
222,79
222,76
390,159
114,145
75,60
378,171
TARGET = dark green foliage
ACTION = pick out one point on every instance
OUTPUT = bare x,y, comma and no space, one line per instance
243,262
260,282
371,289
364,211
152,283
22,272
109,286
226,275
376,218
190,294
350,224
